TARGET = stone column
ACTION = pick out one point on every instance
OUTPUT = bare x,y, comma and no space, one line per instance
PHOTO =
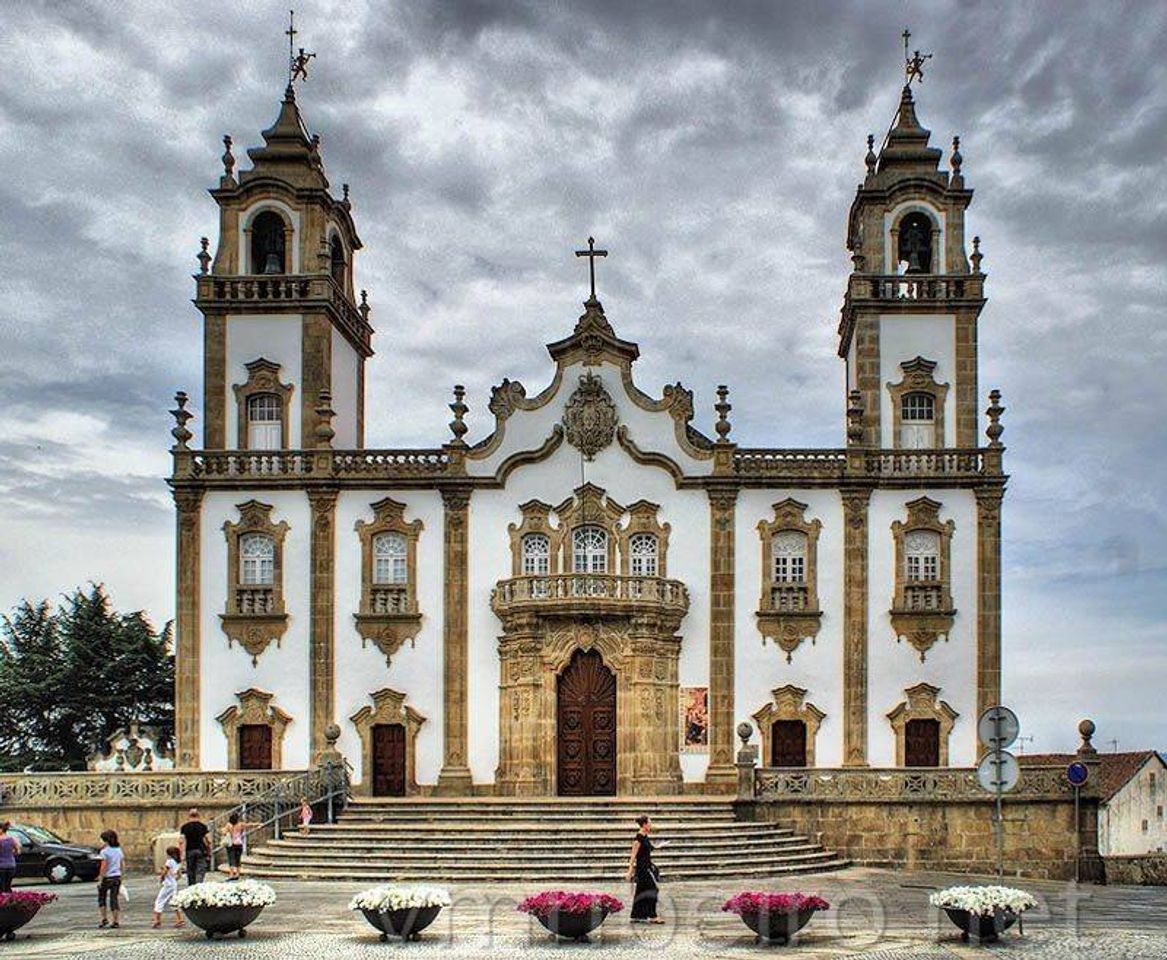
188,532
454,778
988,600
855,586
722,503
322,619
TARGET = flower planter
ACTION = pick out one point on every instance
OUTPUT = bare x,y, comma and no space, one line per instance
406,924
777,927
570,915
984,926
573,926
223,920
16,909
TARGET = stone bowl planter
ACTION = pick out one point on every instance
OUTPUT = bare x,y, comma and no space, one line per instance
571,915
573,926
986,927
17,908
776,927
406,924
220,921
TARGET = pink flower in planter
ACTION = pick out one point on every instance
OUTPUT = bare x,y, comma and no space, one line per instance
759,902
27,901
561,901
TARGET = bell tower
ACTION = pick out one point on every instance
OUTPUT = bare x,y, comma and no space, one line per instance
909,321
285,337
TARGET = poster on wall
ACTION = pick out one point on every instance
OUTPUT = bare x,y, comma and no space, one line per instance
694,719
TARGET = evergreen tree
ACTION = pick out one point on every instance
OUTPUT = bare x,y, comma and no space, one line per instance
74,676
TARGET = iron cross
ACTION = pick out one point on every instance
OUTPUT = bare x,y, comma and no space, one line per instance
591,253
291,34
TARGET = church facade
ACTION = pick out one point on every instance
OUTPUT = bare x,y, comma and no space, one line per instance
590,599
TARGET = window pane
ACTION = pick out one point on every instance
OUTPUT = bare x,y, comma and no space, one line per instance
789,552
390,559
536,554
590,550
917,407
257,553
922,555
643,550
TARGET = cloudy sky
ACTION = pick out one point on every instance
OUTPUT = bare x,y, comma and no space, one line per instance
713,149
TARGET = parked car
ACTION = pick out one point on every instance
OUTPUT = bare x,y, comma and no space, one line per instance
44,854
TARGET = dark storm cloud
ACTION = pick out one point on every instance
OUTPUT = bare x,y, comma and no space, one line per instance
713,148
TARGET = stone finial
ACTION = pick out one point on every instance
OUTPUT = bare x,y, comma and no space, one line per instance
331,735
457,426
723,407
314,146
364,307
855,412
1086,730
344,200
871,158
745,730
994,430
228,161
204,256
181,415
324,414
956,159
977,256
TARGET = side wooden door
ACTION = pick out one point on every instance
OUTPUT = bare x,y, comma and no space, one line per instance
389,760
255,747
788,743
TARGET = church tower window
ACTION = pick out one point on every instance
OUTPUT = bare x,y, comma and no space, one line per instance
336,253
265,422
915,243
644,550
268,244
917,421
590,550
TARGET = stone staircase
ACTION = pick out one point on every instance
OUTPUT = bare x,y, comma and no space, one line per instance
553,840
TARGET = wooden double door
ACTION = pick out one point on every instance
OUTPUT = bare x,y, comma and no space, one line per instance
389,760
788,743
255,751
586,726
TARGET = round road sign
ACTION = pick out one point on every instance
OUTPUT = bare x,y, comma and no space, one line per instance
998,727
998,770
1077,773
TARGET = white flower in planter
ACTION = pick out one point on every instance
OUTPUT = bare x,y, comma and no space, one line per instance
385,899
241,893
983,900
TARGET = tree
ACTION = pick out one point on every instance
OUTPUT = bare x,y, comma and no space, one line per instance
72,677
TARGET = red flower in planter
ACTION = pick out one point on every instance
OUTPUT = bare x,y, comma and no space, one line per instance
28,901
759,902
561,901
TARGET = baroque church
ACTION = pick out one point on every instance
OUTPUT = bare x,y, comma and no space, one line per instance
591,599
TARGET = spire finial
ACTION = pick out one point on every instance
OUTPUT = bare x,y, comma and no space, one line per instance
181,415
956,160
364,307
228,160
344,200
723,407
994,430
871,159
457,426
324,414
204,256
297,62
914,63
854,417
591,253
977,256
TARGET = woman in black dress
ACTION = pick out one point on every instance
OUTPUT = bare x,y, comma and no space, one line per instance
644,872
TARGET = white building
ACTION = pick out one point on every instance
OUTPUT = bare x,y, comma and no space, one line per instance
551,608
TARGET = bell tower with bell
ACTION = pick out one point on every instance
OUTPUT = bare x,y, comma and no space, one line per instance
909,321
285,335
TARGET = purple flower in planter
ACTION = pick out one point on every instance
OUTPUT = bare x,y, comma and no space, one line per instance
772,903
561,901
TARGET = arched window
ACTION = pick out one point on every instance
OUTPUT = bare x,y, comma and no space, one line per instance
915,243
789,552
268,243
922,554
336,250
257,560
590,550
536,555
390,560
265,422
917,421
644,549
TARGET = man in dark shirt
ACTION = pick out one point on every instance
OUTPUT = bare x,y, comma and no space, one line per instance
196,847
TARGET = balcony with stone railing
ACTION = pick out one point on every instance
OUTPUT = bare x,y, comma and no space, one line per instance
255,294
596,594
922,288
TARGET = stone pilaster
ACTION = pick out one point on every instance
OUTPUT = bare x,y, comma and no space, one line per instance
215,382
988,599
966,380
722,504
868,378
855,503
315,374
188,532
322,618
454,777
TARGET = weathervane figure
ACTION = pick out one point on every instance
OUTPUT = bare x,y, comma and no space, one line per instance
591,253
914,64
297,62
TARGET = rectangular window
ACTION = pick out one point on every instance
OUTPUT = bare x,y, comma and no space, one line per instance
644,566
1146,826
789,569
390,570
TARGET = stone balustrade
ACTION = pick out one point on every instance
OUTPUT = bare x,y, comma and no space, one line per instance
587,592
849,784
97,790
918,287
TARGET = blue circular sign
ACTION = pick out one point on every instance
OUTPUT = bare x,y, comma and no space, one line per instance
1077,773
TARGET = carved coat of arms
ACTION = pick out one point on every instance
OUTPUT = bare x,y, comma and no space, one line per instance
590,417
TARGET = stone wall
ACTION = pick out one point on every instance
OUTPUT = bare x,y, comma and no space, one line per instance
1147,870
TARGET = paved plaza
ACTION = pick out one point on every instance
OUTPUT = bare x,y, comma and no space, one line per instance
875,914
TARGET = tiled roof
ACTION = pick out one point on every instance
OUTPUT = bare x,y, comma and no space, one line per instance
1116,768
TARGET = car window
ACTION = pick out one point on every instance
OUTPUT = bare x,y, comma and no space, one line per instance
41,834
19,835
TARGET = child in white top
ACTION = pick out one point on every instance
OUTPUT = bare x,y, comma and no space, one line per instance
305,816
168,878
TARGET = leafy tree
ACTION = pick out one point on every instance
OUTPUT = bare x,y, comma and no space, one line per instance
71,677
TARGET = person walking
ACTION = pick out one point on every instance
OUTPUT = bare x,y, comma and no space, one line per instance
236,830
305,816
168,887
195,847
645,874
9,851
109,879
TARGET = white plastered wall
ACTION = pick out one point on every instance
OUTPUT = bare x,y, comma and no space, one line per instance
277,338
907,336
817,667
893,665
345,384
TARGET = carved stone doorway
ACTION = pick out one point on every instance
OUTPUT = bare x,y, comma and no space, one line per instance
586,727
389,760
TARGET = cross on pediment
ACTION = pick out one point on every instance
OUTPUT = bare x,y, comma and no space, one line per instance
591,253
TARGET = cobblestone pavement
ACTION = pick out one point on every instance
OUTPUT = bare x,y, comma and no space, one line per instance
874,915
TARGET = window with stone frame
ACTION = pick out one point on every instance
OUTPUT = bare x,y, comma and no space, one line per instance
643,549
589,549
922,610
265,422
263,407
917,404
788,611
389,613
254,614
922,725
643,543
917,421
536,555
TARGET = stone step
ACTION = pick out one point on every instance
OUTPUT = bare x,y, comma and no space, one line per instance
460,816
443,828
621,844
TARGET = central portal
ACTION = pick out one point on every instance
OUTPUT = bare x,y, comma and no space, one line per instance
587,727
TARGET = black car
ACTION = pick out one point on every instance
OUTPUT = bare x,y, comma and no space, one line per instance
44,854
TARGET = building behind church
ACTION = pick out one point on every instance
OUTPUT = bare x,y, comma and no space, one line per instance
592,597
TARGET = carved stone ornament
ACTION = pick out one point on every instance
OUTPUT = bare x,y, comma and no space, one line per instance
590,417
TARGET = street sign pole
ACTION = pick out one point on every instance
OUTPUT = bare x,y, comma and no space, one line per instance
998,772
1077,773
